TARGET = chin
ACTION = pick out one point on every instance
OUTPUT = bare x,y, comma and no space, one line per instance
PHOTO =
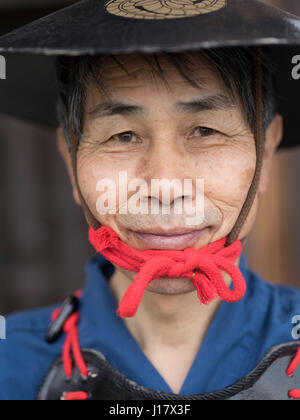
177,286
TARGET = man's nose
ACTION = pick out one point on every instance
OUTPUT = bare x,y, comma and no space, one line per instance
168,164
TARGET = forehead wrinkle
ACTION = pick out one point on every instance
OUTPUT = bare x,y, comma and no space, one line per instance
137,72
162,69
122,83
205,103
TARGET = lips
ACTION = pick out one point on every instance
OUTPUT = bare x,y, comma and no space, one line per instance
177,239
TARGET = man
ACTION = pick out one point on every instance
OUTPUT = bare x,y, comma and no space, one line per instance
205,114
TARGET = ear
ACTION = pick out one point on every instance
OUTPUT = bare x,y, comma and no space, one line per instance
65,154
274,134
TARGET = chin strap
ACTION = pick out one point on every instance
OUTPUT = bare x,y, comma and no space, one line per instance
201,266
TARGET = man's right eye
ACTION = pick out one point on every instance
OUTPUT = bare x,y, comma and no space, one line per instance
126,137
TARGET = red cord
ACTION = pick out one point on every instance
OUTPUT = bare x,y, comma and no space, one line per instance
75,396
203,266
294,393
72,345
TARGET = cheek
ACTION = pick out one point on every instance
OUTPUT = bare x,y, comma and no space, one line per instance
228,175
93,170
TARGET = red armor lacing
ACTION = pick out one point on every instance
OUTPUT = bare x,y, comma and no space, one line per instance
294,393
72,345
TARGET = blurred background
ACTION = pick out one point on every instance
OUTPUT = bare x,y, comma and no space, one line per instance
43,245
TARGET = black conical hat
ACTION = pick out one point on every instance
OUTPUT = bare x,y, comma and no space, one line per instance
124,26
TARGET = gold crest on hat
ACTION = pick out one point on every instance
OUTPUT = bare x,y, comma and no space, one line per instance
162,9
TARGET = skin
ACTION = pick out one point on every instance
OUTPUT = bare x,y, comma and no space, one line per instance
170,325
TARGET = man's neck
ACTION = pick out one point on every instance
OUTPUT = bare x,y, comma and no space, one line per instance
168,320
169,328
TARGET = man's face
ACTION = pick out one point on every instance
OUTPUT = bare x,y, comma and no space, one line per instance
165,140
181,132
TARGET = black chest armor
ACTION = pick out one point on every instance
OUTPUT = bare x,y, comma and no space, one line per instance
268,381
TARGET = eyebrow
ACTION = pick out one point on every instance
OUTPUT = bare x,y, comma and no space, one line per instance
209,103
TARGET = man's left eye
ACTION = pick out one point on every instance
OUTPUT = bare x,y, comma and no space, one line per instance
204,131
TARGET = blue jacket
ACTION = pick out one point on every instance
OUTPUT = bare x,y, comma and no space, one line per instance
238,338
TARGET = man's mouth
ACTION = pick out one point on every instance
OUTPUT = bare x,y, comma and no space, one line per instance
177,238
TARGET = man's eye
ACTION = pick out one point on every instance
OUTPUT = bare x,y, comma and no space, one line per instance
126,137
205,131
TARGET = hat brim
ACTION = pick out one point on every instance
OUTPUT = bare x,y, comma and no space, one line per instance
88,27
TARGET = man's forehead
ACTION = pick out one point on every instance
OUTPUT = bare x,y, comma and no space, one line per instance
141,70
126,76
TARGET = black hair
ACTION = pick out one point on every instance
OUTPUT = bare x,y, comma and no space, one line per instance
235,65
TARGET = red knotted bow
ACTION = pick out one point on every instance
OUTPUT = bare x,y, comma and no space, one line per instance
202,266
